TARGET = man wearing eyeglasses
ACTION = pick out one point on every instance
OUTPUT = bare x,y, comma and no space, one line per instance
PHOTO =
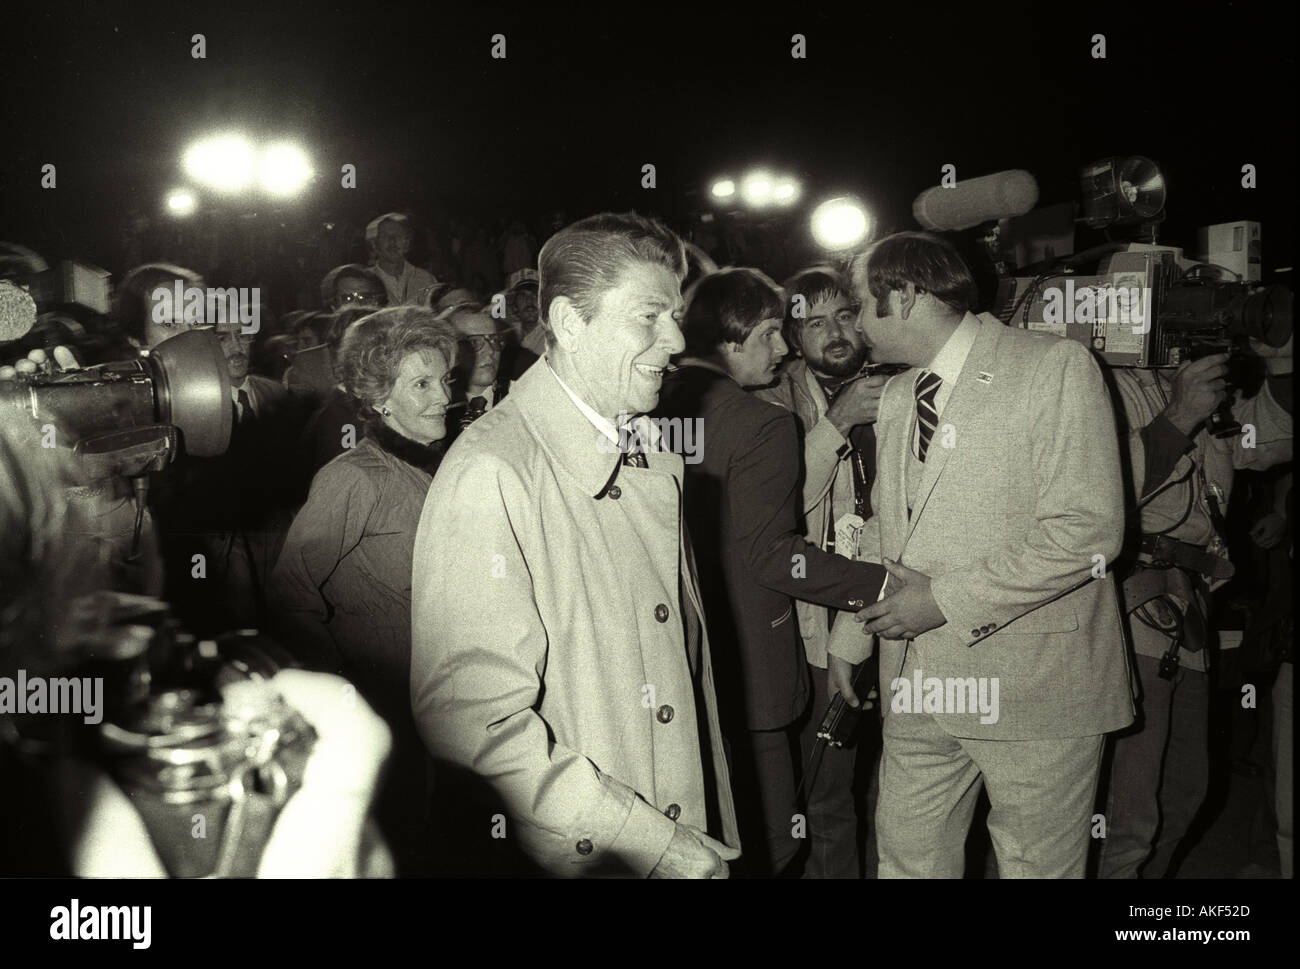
353,286
484,339
837,414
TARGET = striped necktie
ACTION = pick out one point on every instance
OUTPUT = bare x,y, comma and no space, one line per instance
927,385
635,454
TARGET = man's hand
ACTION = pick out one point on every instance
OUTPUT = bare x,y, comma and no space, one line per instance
908,611
1269,530
37,360
693,854
840,676
858,403
1199,387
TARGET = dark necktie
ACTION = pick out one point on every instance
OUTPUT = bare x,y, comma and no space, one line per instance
245,406
476,408
927,385
634,456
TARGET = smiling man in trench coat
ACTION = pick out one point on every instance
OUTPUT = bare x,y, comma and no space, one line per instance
559,651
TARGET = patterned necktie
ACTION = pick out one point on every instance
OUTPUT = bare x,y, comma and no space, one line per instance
927,385
634,456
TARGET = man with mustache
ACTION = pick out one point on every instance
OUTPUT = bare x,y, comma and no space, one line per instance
837,415
558,644
742,502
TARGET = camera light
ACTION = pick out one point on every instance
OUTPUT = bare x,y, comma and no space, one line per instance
756,190
284,169
786,191
840,223
724,188
180,202
222,162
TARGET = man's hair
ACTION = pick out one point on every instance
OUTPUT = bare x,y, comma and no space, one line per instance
372,229
583,261
331,281
726,306
932,265
817,284
131,306
372,349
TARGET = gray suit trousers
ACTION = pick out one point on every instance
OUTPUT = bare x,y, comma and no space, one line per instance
1041,793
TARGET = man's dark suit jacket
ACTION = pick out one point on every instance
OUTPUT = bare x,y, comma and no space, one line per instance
742,508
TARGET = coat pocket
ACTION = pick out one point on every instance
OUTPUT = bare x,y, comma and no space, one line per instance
782,618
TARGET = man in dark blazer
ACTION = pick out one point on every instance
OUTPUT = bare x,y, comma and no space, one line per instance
742,507
997,508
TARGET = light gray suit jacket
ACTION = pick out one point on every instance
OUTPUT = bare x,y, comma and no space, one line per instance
1019,502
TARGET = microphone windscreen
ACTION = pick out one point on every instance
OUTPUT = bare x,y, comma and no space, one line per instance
998,196
17,311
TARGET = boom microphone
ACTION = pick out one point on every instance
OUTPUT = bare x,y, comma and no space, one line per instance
990,197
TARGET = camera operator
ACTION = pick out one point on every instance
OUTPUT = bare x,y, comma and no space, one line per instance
62,814
1181,479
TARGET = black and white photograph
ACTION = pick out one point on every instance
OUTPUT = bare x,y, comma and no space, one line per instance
464,446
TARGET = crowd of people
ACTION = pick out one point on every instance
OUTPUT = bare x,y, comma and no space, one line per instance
600,653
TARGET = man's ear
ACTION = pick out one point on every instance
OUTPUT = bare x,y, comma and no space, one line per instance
566,323
906,299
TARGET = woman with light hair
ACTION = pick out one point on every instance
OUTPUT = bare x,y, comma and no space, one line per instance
342,585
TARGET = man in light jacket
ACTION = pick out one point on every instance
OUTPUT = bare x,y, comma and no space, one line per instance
559,650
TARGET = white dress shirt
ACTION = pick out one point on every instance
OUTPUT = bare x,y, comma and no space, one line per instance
643,426
948,363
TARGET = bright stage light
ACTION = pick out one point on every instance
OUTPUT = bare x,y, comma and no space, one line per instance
756,190
284,169
180,202
786,192
221,162
840,223
724,188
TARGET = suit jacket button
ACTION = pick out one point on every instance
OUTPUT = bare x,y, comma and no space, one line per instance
664,713
975,632
584,847
661,612
985,629
992,626
615,492
674,812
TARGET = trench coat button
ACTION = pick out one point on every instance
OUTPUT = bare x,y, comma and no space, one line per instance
664,713
674,812
584,847
661,612
615,492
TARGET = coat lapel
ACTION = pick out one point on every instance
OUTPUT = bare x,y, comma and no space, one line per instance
965,401
894,435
